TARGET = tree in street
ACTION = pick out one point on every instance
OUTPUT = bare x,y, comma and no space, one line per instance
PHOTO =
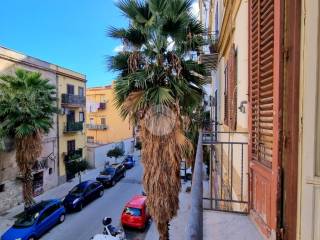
159,86
27,107
115,152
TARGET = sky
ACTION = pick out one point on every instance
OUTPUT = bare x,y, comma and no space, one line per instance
68,33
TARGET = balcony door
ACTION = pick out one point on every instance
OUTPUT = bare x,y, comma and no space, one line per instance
264,118
71,146
71,116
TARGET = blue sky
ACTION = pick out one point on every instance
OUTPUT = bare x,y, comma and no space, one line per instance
69,33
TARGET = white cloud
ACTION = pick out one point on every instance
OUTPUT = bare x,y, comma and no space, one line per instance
118,48
195,9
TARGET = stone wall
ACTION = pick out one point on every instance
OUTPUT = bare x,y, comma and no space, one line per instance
12,195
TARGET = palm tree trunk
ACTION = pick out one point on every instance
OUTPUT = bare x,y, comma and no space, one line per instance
28,151
163,228
27,188
161,157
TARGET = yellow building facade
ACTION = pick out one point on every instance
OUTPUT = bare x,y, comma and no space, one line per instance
103,121
72,133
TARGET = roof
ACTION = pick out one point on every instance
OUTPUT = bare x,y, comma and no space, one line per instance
17,57
137,201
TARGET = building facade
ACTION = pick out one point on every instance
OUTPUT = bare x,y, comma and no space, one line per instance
229,114
71,121
267,84
48,170
103,120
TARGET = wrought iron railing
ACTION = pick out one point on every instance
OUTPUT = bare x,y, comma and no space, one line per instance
228,171
208,56
97,126
73,127
195,224
73,100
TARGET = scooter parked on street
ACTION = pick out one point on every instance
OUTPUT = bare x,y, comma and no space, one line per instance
109,232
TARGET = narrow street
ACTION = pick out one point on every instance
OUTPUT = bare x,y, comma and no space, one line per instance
83,225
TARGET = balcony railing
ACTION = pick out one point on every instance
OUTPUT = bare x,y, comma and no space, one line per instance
102,106
73,155
73,127
71,100
97,126
195,224
209,54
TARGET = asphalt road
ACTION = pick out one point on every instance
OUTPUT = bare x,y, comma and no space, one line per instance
83,225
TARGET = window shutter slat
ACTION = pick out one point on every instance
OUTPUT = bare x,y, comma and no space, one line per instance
261,80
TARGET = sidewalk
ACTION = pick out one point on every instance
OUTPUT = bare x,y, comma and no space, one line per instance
59,192
216,225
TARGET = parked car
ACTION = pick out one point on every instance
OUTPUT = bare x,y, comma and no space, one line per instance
37,220
128,162
82,194
135,213
112,174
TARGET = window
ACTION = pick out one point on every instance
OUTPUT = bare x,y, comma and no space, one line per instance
81,116
132,211
91,120
71,145
81,91
48,212
70,89
103,121
90,139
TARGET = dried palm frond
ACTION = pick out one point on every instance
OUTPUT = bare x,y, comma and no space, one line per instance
161,157
28,151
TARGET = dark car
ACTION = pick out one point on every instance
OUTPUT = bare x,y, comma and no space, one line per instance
112,174
82,194
37,220
128,162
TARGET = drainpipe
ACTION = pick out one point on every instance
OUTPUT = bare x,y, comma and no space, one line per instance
58,129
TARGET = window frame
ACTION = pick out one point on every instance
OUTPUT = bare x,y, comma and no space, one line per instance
317,148
81,90
70,86
81,117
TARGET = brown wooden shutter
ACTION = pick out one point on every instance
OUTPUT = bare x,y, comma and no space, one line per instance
261,65
226,97
232,89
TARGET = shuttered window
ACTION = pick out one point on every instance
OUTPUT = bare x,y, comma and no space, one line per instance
262,79
230,96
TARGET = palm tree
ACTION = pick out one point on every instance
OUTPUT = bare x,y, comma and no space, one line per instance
159,85
27,106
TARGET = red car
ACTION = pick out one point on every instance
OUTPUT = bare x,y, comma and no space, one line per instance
135,213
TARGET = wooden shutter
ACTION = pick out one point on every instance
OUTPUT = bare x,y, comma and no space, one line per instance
230,97
226,98
232,72
265,113
261,64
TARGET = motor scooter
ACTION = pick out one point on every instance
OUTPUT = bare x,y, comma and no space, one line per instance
109,232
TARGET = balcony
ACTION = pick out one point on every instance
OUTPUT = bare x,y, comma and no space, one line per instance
96,126
102,106
71,127
73,155
208,56
70,100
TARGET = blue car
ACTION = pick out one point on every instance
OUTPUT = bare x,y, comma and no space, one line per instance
82,194
128,162
37,220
